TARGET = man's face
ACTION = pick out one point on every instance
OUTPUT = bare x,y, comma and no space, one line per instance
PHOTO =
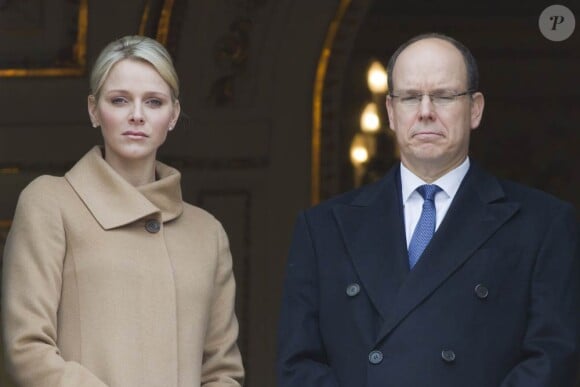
433,137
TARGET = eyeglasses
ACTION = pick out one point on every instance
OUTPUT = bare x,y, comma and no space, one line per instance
438,98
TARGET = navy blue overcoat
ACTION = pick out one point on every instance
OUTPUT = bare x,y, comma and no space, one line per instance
493,302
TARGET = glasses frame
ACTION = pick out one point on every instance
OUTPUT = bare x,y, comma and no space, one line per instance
433,98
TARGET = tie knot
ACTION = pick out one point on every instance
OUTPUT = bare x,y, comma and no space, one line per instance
428,191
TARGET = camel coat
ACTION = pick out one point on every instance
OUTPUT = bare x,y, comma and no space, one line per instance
107,284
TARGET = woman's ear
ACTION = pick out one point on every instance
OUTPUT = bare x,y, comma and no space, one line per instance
92,108
176,112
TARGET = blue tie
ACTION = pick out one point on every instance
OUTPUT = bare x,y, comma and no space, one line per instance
426,226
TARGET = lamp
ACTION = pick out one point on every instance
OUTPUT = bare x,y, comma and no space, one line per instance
359,154
377,78
370,122
371,150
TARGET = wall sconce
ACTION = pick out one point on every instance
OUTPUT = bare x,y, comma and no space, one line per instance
377,78
362,147
370,122
358,155
370,139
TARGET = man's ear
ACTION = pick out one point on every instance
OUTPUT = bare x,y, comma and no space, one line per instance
390,113
477,105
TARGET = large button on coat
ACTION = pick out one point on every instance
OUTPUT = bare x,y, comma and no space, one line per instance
153,226
352,290
375,357
481,291
448,356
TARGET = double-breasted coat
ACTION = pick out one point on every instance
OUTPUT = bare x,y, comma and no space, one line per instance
107,284
494,301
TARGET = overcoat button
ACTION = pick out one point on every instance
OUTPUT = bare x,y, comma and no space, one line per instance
352,290
152,226
375,357
481,291
448,355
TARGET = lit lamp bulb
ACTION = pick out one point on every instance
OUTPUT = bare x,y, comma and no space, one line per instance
377,78
369,119
359,154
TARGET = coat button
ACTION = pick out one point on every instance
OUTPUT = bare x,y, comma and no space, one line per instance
352,290
153,226
448,355
375,357
481,291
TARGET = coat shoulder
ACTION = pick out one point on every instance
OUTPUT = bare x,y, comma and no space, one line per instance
44,189
533,198
361,195
198,215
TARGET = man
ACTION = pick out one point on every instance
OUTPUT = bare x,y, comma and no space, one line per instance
439,274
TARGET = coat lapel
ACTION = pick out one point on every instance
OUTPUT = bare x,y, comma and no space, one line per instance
114,202
373,232
476,213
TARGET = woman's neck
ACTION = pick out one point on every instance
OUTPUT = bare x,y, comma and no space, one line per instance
136,172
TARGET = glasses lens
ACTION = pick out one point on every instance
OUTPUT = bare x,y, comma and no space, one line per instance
440,98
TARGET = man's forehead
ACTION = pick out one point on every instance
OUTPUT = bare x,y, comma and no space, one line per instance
430,59
431,44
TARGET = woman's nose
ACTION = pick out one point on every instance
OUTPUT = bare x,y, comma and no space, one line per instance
137,114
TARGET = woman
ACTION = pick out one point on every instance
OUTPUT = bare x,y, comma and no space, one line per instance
109,278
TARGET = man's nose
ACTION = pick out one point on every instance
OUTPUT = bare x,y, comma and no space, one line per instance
426,107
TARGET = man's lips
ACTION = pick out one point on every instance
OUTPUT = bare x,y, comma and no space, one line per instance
427,133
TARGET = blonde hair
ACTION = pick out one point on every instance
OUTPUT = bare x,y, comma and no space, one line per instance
139,48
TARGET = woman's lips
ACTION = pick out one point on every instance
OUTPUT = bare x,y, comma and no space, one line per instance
135,134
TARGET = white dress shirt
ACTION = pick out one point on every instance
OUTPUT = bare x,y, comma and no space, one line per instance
413,201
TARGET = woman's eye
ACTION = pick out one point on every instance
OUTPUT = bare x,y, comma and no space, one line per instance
118,100
155,102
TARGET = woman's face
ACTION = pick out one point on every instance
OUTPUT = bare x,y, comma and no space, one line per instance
135,111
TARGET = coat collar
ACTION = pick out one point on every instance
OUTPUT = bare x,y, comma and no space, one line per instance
114,202
372,228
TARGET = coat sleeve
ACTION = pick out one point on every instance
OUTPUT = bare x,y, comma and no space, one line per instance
222,363
31,287
551,346
302,359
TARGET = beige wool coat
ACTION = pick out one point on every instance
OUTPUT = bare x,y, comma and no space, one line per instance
107,284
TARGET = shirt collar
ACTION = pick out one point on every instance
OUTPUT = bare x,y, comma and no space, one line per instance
449,182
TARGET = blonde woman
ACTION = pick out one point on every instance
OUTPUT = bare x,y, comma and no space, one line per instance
109,278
